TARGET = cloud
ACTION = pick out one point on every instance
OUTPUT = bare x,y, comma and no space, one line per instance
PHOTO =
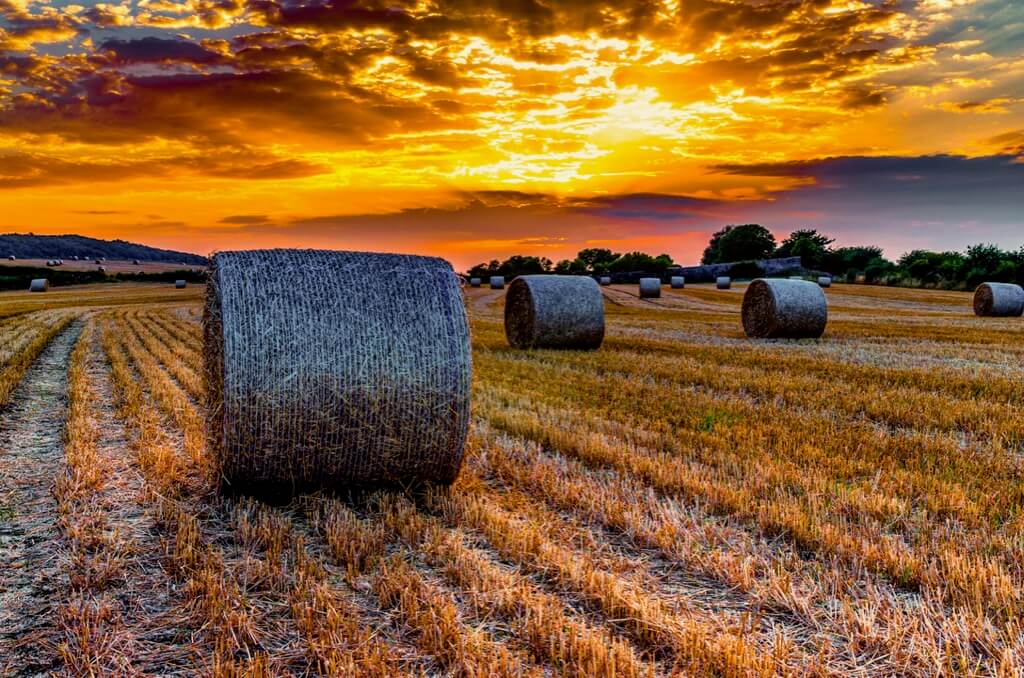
245,219
159,50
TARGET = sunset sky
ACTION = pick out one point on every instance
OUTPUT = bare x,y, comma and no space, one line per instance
474,130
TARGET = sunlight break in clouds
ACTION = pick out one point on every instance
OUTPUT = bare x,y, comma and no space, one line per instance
329,119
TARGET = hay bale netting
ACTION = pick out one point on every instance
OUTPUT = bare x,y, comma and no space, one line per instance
774,308
824,281
335,369
180,284
497,282
605,280
723,282
554,311
999,300
39,285
677,282
650,288
474,282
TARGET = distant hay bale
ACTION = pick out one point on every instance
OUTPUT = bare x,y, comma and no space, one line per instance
554,311
678,282
605,280
998,300
723,282
99,261
861,279
650,288
824,281
774,308
101,269
135,262
318,376
474,282
11,258
180,284
497,282
39,285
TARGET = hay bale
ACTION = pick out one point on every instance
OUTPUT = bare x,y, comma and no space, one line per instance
677,282
824,281
101,269
650,288
11,258
774,308
497,282
554,311
135,261
861,279
605,280
180,284
39,285
999,300
474,282
335,369
723,282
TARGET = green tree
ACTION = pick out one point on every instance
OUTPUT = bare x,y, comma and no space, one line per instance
639,261
571,267
597,259
739,243
811,246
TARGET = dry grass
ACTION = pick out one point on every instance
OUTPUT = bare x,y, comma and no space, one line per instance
680,502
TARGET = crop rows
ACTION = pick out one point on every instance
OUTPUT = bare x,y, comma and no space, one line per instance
681,502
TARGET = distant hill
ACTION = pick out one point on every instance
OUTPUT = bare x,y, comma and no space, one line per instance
67,246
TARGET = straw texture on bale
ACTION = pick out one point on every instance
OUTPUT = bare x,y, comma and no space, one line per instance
180,284
39,285
723,282
999,300
606,280
497,282
474,282
320,375
824,281
650,288
793,309
678,282
554,311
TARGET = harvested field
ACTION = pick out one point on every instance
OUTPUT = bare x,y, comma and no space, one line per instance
682,501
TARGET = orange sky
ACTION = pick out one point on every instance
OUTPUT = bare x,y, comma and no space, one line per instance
474,130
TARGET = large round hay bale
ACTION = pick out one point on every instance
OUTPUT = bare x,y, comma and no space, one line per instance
999,300
335,369
180,284
774,308
497,282
474,282
605,280
554,311
677,282
824,281
650,288
39,285
723,282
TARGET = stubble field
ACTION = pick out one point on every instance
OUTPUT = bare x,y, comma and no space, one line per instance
681,502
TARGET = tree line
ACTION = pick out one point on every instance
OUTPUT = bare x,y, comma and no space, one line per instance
745,243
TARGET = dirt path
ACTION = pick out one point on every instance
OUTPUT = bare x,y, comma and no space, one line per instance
31,449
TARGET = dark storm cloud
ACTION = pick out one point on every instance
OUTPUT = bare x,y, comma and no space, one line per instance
156,50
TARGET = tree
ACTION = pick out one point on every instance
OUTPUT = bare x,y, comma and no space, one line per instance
571,267
639,261
739,243
846,260
811,246
597,259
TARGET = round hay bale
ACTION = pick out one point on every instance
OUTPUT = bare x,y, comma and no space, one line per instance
774,308
650,288
605,280
474,282
180,284
678,282
824,281
11,258
335,369
554,311
998,300
861,279
723,282
101,269
497,282
39,285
